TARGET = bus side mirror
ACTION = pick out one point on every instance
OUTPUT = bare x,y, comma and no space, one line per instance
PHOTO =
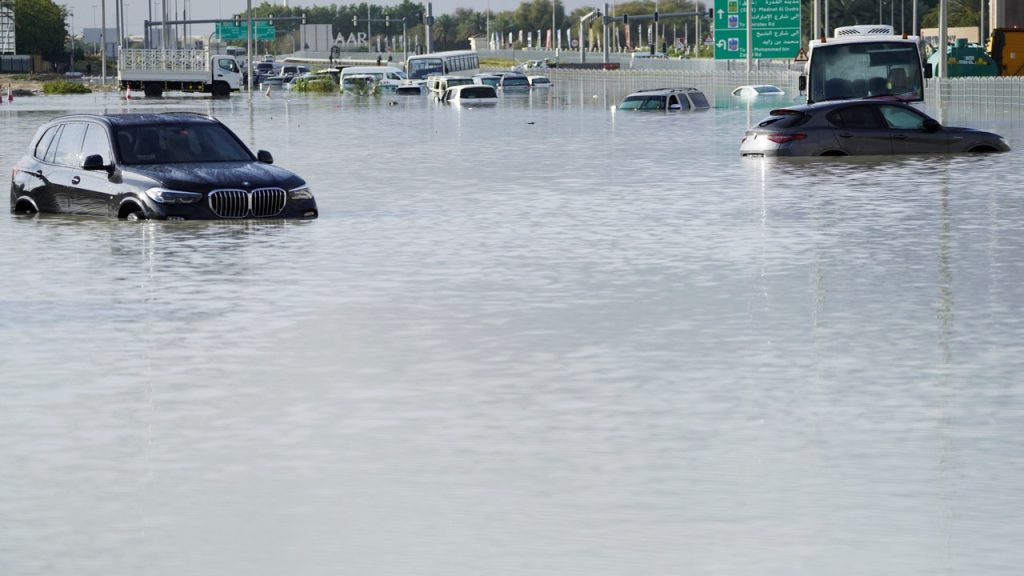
802,83
928,70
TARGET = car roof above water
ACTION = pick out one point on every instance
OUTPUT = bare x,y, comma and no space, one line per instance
663,91
135,119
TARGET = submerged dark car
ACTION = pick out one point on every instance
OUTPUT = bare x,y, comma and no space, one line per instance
171,166
861,127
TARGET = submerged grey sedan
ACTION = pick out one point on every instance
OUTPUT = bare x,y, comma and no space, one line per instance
861,127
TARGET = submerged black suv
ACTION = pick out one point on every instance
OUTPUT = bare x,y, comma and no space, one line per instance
170,166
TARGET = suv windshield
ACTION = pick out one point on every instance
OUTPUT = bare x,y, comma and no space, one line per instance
174,143
643,103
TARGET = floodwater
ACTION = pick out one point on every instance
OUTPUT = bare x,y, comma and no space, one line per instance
541,338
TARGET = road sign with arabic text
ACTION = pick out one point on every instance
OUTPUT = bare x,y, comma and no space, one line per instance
775,25
261,30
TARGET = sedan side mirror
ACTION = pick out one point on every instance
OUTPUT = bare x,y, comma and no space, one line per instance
932,125
802,83
265,157
95,162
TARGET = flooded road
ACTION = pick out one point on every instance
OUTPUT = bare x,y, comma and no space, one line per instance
538,338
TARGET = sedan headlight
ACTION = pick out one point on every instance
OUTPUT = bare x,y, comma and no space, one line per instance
165,196
301,193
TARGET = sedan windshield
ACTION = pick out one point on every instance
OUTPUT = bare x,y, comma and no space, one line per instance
176,143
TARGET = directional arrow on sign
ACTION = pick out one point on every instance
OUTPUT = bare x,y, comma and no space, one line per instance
721,13
721,44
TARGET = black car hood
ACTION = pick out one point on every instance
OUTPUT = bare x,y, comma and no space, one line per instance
202,177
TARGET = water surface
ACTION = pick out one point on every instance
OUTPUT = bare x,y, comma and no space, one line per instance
538,338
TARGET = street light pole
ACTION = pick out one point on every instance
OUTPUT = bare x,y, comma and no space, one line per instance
103,42
248,47
551,39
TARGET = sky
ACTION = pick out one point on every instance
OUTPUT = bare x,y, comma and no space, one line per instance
87,13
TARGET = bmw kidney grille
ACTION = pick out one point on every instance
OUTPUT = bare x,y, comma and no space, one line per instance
259,203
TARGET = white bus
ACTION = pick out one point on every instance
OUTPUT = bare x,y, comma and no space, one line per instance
865,61
452,63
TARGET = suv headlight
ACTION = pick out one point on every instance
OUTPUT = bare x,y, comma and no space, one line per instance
165,196
301,193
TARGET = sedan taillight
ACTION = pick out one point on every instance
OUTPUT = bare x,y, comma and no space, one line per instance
783,138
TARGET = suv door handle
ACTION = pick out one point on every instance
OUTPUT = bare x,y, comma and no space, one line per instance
845,135
899,136
76,180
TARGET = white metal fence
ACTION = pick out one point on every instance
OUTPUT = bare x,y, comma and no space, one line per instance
993,97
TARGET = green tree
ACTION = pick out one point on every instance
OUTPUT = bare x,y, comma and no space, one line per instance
961,13
40,28
444,32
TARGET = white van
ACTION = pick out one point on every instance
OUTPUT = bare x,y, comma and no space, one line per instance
387,77
438,84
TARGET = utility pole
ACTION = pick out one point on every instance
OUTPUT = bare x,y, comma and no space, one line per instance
103,42
429,23
248,47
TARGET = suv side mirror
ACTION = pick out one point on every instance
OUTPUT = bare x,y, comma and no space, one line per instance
932,125
928,70
802,83
265,157
95,162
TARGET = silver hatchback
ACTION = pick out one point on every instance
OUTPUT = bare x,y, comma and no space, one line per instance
861,127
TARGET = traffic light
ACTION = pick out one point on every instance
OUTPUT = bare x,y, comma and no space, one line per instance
655,15
625,19
419,16
711,13
238,20
387,20
355,20
303,18
270,19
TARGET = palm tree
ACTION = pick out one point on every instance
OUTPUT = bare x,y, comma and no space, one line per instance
961,13
444,29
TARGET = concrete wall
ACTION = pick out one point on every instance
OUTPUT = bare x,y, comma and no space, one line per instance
968,32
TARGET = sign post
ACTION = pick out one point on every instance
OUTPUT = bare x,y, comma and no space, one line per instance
774,29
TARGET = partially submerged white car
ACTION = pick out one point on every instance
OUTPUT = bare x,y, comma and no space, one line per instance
470,95
757,91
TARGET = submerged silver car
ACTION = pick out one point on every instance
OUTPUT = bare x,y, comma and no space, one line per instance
861,127
665,100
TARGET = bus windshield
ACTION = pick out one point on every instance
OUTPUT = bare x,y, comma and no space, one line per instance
865,69
420,68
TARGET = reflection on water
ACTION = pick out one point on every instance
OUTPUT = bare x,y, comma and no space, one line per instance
542,337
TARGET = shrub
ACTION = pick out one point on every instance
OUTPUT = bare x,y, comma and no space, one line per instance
65,87
362,87
325,85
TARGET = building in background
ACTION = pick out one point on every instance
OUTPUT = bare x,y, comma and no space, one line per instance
7,44
316,37
91,39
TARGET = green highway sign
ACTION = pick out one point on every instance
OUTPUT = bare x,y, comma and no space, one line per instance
261,30
775,25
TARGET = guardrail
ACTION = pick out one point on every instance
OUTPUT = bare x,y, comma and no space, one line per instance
995,96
